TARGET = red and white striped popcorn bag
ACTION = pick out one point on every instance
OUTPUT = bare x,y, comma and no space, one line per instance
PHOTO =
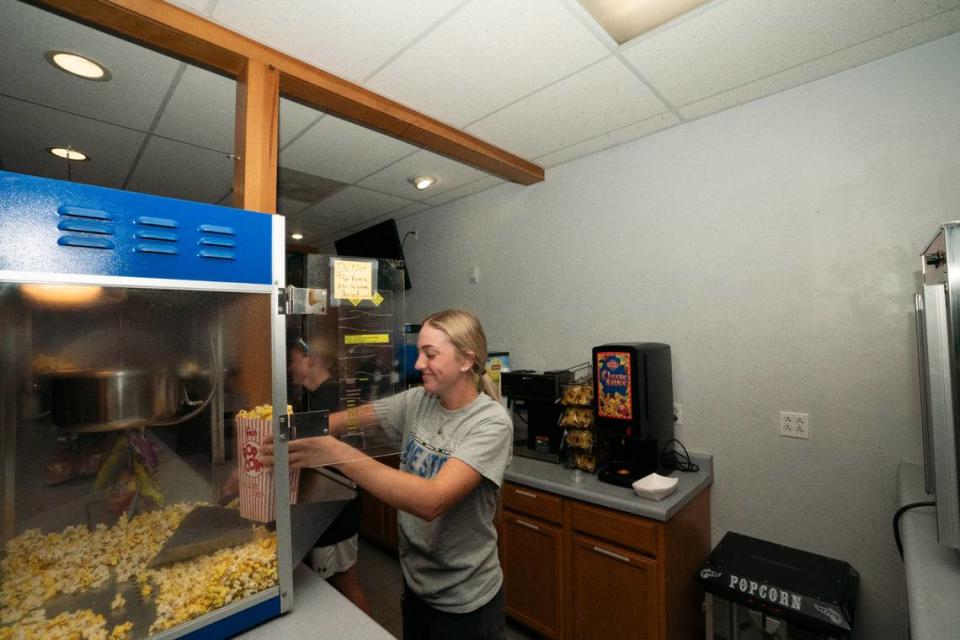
257,498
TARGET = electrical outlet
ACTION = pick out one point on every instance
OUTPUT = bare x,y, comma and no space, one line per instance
794,425
677,413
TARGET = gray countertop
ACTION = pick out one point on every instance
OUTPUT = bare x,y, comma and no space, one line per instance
319,611
932,570
555,478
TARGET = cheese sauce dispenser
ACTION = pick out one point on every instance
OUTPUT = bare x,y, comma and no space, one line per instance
633,406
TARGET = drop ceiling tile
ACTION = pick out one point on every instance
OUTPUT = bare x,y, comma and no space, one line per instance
403,212
395,179
26,130
294,118
290,207
889,43
486,56
301,223
310,231
742,41
312,237
409,210
342,151
325,246
396,215
201,110
466,190
350,207
609,139
309,239
140,77
307,188
199,7
601,98
177,170
349,39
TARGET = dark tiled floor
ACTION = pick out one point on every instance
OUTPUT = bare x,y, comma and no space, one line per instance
380,575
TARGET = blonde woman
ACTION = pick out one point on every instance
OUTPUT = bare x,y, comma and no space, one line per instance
456,445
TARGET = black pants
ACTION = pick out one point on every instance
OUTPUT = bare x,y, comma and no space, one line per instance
423,622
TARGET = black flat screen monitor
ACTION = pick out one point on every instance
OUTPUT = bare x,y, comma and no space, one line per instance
382,240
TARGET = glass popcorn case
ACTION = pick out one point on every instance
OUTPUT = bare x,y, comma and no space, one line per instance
134,330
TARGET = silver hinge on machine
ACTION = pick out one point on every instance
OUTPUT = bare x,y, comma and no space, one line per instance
296,301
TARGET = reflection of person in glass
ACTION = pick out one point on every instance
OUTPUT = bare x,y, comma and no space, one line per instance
456,445
334,555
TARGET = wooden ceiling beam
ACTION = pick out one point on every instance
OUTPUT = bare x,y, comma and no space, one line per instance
185,35
255,170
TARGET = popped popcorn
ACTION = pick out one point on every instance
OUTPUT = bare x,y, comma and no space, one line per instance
69,625
38,567
261,412
186,590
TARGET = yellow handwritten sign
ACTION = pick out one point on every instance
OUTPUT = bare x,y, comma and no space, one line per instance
352,279
367,338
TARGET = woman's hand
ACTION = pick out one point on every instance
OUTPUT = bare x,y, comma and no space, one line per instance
310,452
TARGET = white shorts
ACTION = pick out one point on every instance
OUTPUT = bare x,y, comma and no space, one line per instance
333,559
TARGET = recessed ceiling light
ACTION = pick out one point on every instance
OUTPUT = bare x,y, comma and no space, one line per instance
68,153
78,65
624,20
296,236
422,182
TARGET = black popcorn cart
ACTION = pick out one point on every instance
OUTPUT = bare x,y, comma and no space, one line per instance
758,590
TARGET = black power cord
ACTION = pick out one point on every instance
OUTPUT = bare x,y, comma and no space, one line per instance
896,521
673,459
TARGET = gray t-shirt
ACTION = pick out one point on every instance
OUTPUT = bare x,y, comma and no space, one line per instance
452,562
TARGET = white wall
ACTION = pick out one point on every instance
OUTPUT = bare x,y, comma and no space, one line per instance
774,246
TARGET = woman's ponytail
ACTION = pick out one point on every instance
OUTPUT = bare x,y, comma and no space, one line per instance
488,386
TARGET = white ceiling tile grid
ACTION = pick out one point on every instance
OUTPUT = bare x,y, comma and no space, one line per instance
351,206
131,98
538,78
487,55
200,7
463,191
342,151
897,40
177,170
601,98
201,110
742,41
27,130
350,39
294,119
610,139
395,179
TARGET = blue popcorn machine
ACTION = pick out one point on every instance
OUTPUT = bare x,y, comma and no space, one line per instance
135,327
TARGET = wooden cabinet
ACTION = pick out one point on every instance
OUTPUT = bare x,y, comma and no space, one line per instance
579,571
614,592
533,549
378,520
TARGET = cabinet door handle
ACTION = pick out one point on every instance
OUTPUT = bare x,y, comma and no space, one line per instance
611,554
526,494
528,525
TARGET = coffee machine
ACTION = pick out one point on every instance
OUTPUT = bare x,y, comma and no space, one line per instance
633,408
533,397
